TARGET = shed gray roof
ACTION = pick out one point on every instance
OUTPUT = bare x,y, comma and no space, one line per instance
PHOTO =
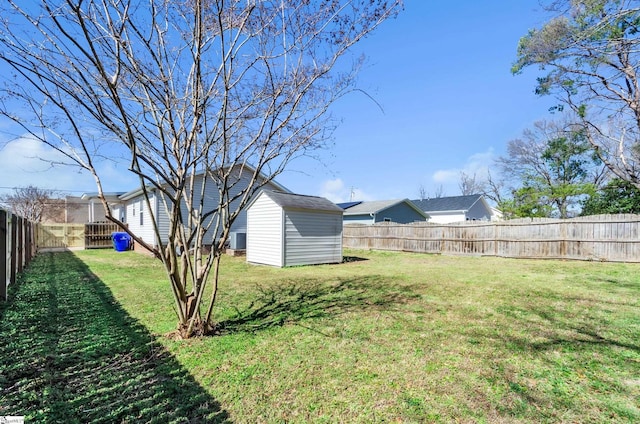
453,203
376,206
300,201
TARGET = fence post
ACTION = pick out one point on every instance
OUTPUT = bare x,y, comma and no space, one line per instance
27,242
19,250
14,249
5,250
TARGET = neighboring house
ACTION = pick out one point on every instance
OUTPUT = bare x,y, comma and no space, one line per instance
444,210
132,208
496,214
285,229
89,208
401,211
77,210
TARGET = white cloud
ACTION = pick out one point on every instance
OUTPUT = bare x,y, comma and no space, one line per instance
446,176
26,161
336,191
477,164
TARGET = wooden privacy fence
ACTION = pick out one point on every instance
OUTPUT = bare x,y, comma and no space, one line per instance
97,235
17,248
60,236
614,238
94,235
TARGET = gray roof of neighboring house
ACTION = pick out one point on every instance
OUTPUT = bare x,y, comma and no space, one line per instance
453,203
363,208
300,201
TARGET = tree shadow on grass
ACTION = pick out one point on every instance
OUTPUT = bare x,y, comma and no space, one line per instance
70,353
569,352
293,302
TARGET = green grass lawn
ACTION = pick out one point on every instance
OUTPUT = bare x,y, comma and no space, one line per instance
393,337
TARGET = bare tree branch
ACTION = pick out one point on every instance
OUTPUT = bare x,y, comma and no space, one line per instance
199,96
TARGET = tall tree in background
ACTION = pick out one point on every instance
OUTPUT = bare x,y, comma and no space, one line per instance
32,203
552,167
591,55
618,196
229,89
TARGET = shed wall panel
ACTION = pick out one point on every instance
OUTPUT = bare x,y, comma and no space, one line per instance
312,238
264,232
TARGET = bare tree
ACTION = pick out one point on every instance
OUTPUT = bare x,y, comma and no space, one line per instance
494,189
33,203
590,52
194,93
422,192
470,184
439,192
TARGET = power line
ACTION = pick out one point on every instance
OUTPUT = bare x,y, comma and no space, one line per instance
50,189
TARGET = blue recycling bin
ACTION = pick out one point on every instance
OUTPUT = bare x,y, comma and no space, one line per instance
121,241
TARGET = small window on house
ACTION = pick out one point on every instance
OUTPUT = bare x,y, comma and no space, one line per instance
133,212
141,219
387,220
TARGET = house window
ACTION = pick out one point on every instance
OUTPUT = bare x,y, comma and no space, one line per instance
141,219
387,220
133,212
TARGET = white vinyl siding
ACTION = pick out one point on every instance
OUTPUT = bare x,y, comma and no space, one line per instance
446,217
210,203
264,232
312,238
118,212
134,208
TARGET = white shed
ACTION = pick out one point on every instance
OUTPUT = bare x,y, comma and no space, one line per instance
285,229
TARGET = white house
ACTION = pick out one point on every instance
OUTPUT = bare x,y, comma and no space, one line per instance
285,229
444,210
132,208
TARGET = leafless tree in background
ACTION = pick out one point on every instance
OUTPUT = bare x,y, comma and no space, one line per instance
422,192
470,184
33,203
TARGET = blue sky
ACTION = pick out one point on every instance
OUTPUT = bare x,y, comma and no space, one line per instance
441,73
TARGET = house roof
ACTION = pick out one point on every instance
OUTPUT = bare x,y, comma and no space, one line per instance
376,206
453,203
138,191
301,201
347,205
95,195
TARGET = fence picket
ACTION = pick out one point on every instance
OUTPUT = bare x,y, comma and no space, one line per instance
17,248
